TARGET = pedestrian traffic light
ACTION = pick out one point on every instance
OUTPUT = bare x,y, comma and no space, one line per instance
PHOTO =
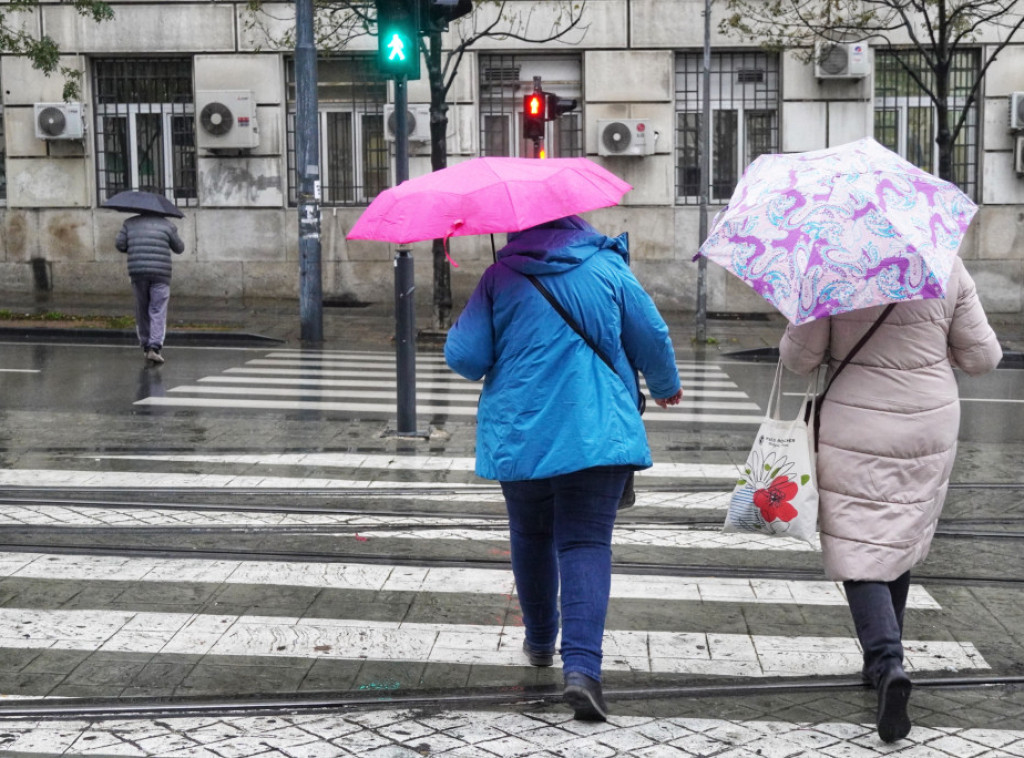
436,14
556,106
398,38
534,107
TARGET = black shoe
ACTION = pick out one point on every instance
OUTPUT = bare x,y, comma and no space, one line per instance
893,694
584,695
542,658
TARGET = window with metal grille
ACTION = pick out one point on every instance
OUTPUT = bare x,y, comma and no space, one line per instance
505,80
905,117
145,127
354,154
744,118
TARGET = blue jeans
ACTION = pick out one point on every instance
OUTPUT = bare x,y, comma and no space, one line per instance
877,609
561,527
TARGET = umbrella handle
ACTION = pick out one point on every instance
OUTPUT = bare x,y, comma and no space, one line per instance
451,230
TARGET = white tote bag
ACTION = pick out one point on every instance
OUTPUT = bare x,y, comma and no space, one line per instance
777,492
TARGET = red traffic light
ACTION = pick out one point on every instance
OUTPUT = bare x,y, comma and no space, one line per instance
533,115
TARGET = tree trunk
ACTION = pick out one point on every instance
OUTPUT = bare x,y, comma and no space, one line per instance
441,311
943,133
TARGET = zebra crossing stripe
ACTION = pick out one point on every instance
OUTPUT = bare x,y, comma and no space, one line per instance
754,656
438,580
401,462
357,369
362,528
671,416
430,385
465,397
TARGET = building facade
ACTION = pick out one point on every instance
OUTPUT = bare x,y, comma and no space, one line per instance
162,79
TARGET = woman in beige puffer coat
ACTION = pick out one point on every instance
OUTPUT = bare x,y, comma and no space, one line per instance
887,441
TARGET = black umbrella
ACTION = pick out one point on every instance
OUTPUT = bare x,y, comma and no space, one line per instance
143,202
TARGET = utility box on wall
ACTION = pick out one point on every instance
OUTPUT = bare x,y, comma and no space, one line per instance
625,136
226,120
1016,122
417,122
59,121
841,60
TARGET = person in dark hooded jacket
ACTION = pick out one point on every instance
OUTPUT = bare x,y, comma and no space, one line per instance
149,240
559,429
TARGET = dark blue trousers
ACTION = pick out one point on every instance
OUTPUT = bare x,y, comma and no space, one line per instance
561,535
877,609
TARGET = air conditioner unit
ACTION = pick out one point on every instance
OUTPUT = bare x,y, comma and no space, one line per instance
59,121
226,120
1018,155
1017,111
841,60
625,137
417,122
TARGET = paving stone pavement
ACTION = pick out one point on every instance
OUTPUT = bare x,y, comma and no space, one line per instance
783,725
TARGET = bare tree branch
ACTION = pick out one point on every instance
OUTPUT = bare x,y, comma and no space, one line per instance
937,30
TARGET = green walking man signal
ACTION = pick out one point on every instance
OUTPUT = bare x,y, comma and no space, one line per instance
398,38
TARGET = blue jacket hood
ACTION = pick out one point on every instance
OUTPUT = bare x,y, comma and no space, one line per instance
556,246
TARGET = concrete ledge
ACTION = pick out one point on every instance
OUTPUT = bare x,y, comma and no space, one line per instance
127,336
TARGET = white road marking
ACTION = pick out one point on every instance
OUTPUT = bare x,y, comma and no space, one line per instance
467,397
360,639
443,580
20,370
403,463
297,405
395,527
437,385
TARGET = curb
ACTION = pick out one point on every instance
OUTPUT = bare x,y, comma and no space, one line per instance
128,337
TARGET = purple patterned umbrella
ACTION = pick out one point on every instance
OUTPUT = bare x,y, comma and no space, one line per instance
835,230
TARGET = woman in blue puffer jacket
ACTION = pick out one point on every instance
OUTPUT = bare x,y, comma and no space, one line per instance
559,429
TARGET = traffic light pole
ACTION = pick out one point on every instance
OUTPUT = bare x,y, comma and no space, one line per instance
701,318
307,149
405,282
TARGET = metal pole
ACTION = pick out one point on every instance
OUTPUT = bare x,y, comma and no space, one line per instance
307,151
705,181
405,282
538,142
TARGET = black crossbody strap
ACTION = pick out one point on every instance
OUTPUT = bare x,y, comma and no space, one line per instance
849,356
569,320
567,317
856,348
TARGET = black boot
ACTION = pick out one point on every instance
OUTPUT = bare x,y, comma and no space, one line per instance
893,694
584,695
542,658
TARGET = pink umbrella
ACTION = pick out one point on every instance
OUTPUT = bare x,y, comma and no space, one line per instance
835,230
488,196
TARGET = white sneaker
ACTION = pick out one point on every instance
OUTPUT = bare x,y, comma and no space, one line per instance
154,356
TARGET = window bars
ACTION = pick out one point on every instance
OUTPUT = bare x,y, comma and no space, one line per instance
906,119
354,150
745,97
145,127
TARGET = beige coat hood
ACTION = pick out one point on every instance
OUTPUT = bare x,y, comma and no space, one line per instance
889,424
